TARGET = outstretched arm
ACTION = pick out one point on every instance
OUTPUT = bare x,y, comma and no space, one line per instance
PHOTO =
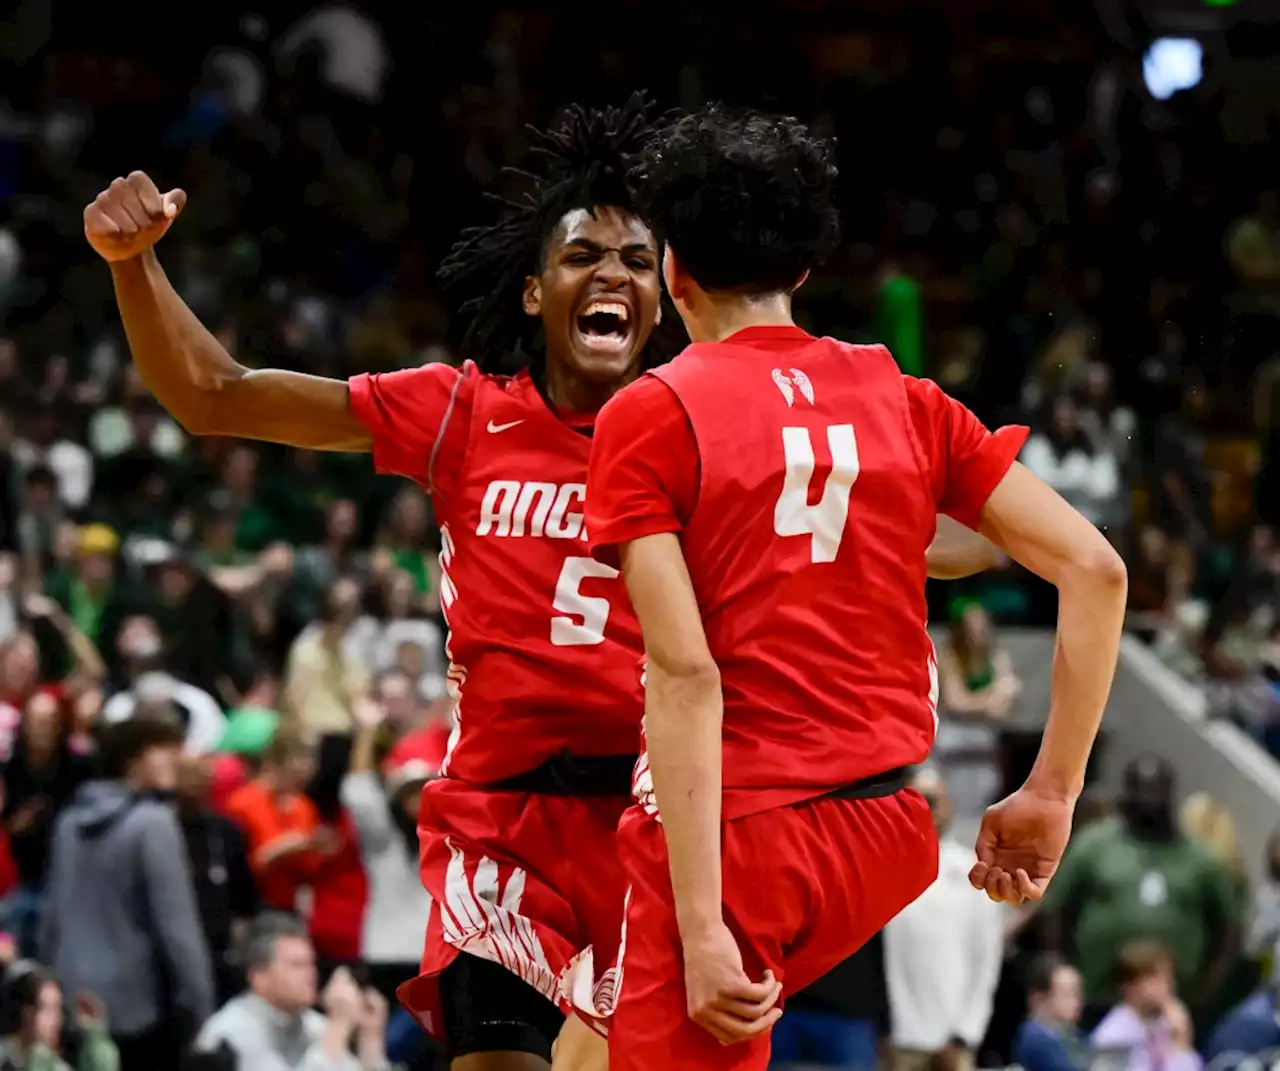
186,368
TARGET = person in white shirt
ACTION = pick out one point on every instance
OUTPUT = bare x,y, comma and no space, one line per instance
273,1025
942,957
1085,473
199,712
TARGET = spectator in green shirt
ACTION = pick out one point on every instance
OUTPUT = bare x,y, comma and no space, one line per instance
899,319
1138,878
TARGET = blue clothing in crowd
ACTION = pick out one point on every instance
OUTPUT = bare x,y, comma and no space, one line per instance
1249,1028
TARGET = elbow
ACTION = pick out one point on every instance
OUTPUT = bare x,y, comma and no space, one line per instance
211,407
1106,568
1097,567
685,678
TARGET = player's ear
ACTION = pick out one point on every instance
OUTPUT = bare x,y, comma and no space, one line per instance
672,277
533,295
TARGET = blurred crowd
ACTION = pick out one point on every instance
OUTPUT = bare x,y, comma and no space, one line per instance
1024,224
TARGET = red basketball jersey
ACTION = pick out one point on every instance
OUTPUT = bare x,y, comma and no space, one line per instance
807,553
543,644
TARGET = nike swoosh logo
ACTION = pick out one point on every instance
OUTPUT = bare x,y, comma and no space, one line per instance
495,428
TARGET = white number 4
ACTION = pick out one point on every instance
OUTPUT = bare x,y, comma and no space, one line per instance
583,617
824,522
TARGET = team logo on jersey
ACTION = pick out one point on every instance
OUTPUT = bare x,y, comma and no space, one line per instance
530,507
788,385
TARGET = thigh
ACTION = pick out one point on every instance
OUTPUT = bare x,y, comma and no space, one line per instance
526,882
808,886
650,1027
487,1009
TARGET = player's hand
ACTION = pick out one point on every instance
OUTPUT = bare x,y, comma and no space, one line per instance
721,998
1020,845
130,216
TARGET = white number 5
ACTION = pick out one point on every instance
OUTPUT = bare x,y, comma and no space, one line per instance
823,523
584,616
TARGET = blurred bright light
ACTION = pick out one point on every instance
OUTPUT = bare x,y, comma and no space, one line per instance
1172,64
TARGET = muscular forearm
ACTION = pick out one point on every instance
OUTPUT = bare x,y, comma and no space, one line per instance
178,359
1091,605
683,717
207,391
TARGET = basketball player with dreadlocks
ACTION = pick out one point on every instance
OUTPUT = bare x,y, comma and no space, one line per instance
770,497
517,837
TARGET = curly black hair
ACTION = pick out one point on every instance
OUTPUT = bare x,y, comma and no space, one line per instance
581,162
743,198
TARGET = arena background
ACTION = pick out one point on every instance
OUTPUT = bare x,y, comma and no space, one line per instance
1031,191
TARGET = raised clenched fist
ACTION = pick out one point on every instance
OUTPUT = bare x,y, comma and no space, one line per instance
130,216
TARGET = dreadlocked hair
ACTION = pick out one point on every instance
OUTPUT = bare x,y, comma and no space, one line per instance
583,161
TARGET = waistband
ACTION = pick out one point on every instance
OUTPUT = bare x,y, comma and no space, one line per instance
574,775
870,788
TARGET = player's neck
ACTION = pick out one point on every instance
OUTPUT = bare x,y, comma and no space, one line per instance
719,316
577,394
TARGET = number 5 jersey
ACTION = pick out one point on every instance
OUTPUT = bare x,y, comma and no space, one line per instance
543,646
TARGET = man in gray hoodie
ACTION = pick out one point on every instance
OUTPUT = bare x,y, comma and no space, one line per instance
121,920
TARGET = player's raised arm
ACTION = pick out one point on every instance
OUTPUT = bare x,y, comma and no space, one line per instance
957,551
185,367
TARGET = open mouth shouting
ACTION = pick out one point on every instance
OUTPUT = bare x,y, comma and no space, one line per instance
605,325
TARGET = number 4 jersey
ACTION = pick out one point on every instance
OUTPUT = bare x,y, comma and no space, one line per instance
804,476
543,645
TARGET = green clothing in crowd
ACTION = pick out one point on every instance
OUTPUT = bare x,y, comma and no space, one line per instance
97,1053
1119,888
899,323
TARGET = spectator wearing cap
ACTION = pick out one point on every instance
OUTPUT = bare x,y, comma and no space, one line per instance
942,957
1139,878
251,726
122,919
86,589
385,812
226,894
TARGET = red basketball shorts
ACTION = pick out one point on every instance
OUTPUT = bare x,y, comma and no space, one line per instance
804,888
529,881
